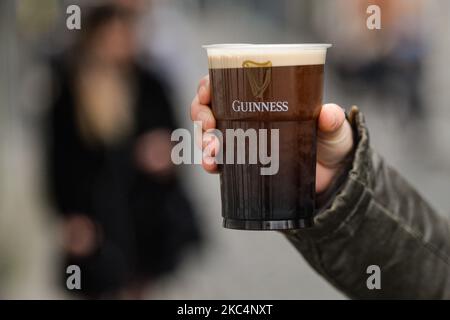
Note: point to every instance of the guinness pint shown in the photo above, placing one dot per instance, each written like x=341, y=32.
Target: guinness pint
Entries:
x=275, y=91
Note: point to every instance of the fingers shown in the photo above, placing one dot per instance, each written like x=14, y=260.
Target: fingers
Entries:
x=200, y=111
x=324, y=177
x=335, y=137
x=204, y=91
x=211, y=145
x=331, y=118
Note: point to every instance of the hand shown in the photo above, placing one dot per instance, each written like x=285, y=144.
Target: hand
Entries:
x=152, y=153
x=80, y=237
x=334, y=143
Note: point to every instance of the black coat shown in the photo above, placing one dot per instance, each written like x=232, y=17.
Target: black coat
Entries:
x=145, y=223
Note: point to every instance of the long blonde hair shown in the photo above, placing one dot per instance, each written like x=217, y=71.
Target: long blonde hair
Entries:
x=104, y=105
x=103, y=91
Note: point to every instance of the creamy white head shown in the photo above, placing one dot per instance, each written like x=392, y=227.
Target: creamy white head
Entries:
x=223, y=56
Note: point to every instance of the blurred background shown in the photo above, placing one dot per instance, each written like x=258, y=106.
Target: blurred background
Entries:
x=85, y=116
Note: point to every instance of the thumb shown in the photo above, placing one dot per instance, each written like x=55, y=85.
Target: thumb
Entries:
x=335, y=137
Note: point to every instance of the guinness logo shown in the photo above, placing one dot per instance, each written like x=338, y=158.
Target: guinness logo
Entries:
x=259, y=76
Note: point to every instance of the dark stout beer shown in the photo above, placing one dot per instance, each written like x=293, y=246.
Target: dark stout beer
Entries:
x=268, y=87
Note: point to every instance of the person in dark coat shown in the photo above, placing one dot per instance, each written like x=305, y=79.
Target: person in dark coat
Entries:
x=126, y=222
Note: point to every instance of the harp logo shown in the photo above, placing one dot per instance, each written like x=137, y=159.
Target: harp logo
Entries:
x=258, y=75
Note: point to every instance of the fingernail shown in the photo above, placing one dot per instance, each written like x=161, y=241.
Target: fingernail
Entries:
x=335, y=120
x=200, y=87
x=203, y=85
x=203, y=116
x=206, y=141
x=202, y=91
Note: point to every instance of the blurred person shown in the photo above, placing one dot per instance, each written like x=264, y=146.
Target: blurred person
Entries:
x=126, y=221
x=389, y=60
x=368, y=214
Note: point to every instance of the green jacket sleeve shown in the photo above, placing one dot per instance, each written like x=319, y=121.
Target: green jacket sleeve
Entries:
x=377, y=219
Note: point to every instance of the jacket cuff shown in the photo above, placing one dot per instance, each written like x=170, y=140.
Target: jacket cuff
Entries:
x=351, y=193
